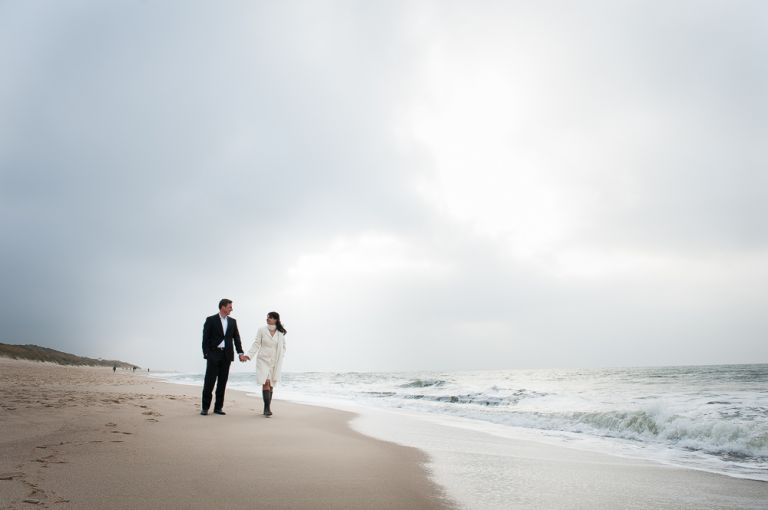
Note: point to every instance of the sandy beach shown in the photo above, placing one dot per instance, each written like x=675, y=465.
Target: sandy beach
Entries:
x=89, y=439
x=86, y=438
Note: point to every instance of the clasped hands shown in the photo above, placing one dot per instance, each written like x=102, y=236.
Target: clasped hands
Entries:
x=244, y=358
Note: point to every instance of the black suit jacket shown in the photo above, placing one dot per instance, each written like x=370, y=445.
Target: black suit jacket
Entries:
x=213, y=335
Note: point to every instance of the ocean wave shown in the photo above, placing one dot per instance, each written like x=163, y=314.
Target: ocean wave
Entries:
x=424, y=383
x=477, y=398
x=748, y=441
x=380, y=393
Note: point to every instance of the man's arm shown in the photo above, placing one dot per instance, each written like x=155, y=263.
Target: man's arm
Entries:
x=236, y=336
x=206, y=333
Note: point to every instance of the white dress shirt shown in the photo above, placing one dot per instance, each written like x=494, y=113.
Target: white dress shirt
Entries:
x=223, y=328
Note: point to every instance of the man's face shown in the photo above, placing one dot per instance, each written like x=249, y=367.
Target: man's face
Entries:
x=226, y=310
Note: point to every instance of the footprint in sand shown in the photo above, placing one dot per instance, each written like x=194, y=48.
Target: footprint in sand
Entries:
x=50, y=459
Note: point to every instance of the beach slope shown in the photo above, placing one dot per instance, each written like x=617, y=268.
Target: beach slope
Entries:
x=83, y=437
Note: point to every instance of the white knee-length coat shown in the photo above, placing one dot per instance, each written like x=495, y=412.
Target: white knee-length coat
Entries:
x=271, y=351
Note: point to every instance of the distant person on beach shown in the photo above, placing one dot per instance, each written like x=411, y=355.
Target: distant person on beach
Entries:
x=219, y=333
x=269, y=350
x=114, y=368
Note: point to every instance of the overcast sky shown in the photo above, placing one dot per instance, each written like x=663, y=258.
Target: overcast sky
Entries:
x=412, y=185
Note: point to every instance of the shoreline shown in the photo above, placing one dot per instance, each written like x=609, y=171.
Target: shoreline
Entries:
x=488, y=471
x=563, y=439
x=82, y=437
x=511, y=433
x=496, y=471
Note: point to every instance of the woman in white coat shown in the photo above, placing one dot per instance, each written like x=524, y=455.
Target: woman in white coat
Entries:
x=269, y=350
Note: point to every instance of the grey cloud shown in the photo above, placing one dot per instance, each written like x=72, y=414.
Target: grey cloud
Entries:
x=156, y=157
x=141, y=132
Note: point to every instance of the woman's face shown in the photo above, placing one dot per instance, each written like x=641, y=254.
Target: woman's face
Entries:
x=271, y=321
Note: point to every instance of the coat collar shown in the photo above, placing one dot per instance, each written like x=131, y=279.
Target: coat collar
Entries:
x=266, y=331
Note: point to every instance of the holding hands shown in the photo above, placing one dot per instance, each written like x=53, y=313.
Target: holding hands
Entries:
x=244, y=358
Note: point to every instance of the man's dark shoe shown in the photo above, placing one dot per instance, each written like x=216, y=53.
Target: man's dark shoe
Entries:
x=204, y=412
x=219, y=411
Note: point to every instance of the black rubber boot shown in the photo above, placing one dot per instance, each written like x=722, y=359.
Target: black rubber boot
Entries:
x=266, y=395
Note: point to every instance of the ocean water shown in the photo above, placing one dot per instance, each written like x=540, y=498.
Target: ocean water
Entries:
x=712, y=418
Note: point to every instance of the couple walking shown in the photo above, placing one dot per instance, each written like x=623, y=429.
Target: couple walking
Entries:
x=220, y=340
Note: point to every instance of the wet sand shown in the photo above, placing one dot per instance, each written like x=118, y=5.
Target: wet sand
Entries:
x=85, y=438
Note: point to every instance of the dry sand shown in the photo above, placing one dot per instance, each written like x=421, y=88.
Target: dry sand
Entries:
x=86, y=438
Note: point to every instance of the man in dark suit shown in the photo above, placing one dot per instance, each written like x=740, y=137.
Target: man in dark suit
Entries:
x=219, y=331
